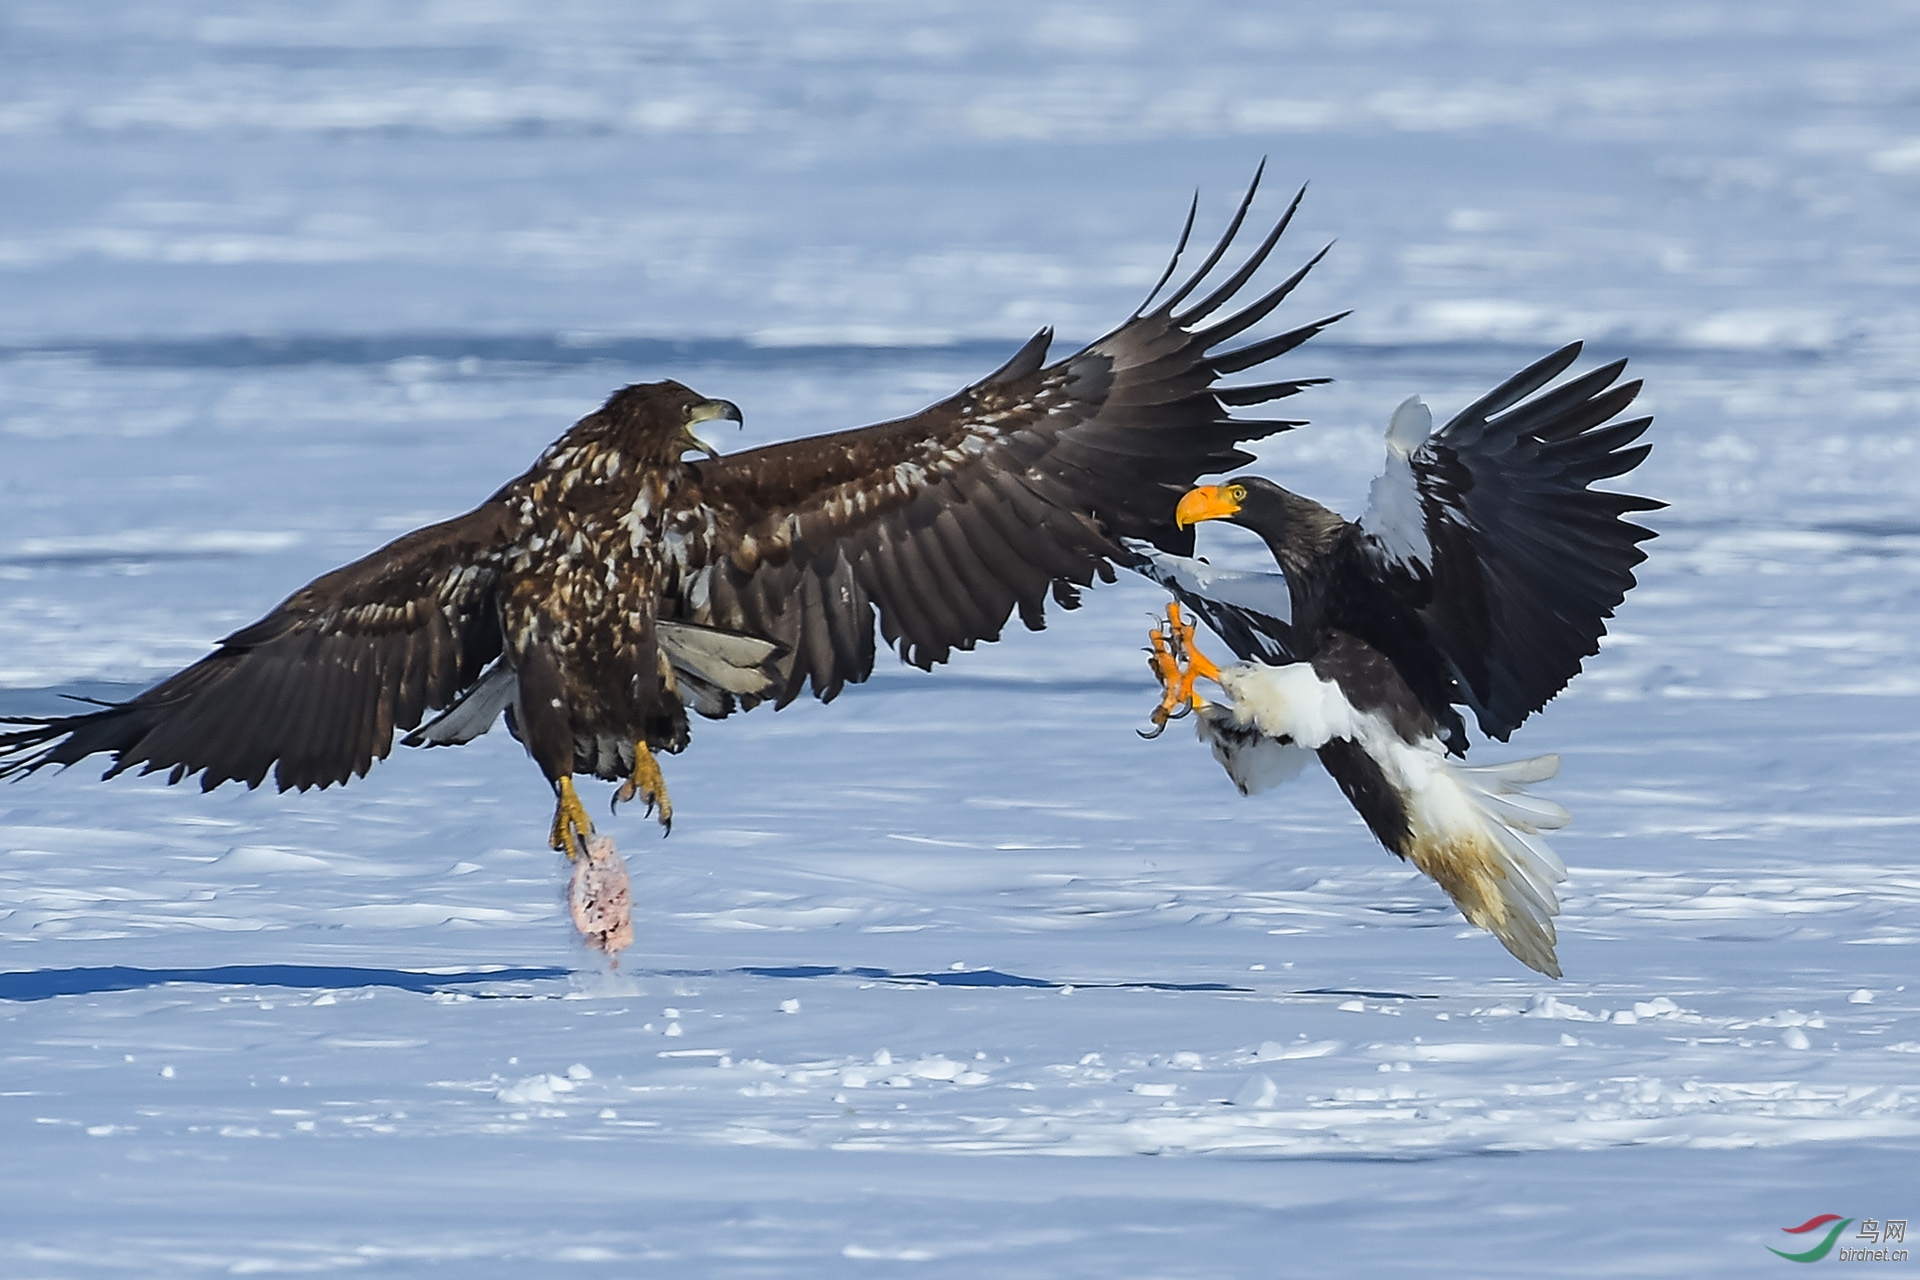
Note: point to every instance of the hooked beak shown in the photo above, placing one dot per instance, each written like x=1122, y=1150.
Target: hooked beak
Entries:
x=709, y=411
x=1208, y=502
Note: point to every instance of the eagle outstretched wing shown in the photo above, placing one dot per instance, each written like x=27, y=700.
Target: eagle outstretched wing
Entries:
x=1019, y=487
x=774, y=564
x=1490, y=530
x=319, y=685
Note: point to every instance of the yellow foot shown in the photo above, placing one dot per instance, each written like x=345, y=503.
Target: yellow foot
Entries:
x=647, y=783
x=1172, y=643
x=1165, y=666
x=571, y=826
x=1199, y=665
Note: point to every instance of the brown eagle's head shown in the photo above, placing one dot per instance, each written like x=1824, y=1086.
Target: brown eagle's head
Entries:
x=656, y=419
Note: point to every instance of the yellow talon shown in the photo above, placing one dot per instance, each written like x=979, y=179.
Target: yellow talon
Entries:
x=1199, y=665
x=648, y=783
x=1161, y=660
x=1172, y=642
x=571, y=826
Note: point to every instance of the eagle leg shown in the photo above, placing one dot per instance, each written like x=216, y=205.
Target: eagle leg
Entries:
x=648, y=783
x=571, y=825
x=1172, y=643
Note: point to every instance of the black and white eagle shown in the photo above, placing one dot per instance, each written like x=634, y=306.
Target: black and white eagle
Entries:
x=1481, y=577
x=617, y=584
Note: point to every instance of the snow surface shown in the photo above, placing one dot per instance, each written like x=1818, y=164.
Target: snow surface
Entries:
x=278, y=282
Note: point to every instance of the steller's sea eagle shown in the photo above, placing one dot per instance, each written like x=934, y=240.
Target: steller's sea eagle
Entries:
x=614, y=585
x=1481, y=576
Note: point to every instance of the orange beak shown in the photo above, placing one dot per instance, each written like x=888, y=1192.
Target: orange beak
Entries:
x=1208, y=502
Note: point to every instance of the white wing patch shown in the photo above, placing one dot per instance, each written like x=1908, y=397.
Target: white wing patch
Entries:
x=1410, y=426
x=1396, y=519
x=1261, y=592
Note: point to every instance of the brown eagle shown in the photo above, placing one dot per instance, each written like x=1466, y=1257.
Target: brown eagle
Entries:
x=616, y=584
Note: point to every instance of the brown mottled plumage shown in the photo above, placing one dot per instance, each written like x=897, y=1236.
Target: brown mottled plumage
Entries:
x=614, y=585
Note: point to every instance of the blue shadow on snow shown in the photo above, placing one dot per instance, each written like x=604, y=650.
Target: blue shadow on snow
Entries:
x=44, y=984
x=972, y=978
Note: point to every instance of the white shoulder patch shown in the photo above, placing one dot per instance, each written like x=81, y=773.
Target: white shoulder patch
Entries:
x=1411, y=425
x=1395, y=519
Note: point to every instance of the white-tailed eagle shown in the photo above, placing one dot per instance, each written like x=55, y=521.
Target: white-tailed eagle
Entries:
x=617, y=584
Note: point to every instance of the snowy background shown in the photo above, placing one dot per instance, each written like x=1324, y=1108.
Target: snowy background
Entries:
x=925, y=977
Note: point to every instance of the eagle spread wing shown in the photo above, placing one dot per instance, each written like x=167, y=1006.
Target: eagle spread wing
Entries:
x=1019, y=487
x=1490, y=530
x=1484, y=573
x=764, y=571
x=315, y=690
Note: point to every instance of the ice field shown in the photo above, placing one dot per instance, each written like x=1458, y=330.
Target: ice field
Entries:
x=955, y=976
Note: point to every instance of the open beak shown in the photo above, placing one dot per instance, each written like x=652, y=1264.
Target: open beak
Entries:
x=709, y=411
x=1208, y=502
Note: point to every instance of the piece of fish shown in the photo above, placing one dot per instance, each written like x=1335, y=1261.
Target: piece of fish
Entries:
x=601, y=898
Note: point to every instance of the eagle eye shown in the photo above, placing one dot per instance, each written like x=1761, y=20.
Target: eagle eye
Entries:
x=1237, y=492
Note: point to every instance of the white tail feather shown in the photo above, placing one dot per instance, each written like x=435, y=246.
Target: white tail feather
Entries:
x=1511, y=775
x=1473, y=829
x=1528, y=813
x=1513, y=897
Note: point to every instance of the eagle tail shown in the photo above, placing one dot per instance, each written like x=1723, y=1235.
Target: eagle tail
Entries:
x=1487, y=853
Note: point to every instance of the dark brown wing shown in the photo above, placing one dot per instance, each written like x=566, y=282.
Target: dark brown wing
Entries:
x=1016, y=489
x=319, y=685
